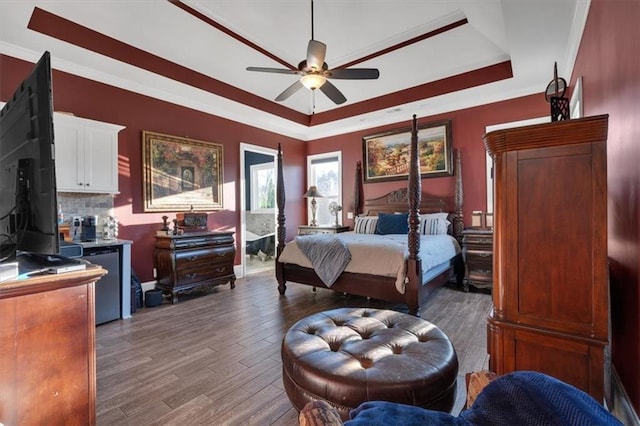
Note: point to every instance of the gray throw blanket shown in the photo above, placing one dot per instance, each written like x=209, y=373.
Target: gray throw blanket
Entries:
x=328, y=255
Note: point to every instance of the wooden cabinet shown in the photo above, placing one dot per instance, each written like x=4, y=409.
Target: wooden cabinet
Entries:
x=48, y=358
x=86, y=155
x=551, y=295
x=193, y=261
x=477, y=251
x=308, y=230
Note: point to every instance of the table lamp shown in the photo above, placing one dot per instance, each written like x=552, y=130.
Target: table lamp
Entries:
x=313, y=194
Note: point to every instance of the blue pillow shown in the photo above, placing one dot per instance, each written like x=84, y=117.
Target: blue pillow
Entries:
x=392, y=223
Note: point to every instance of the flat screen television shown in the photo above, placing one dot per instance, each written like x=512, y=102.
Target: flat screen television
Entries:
x=28, y=198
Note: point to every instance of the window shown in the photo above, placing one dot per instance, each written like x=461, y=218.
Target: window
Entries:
x=325, y=172
x=263, y=188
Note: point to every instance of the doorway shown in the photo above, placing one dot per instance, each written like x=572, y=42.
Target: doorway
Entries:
x=258, y=175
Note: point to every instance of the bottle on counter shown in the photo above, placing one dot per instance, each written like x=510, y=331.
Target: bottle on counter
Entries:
x=60, y=215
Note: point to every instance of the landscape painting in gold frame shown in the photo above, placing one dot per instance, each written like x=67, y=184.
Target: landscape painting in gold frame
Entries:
x=180, y=174
x=386, y=155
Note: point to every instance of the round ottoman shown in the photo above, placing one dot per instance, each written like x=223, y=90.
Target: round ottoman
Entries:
x=351, y=355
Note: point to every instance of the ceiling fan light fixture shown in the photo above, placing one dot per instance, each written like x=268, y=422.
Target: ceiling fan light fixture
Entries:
x=312, y=81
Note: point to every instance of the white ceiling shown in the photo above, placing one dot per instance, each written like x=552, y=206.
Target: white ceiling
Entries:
x=531, y=34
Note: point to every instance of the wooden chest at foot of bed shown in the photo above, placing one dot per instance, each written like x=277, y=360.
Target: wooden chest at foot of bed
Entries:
x=193, y=261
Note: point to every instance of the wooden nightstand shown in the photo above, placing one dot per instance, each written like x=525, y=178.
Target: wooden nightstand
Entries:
x=477, y=251
x=308, y=230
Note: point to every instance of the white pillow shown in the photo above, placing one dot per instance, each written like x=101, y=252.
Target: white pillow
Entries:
x=434, y=224
x=365, y=224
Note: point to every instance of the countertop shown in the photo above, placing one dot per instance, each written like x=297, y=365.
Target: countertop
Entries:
x=102, y=243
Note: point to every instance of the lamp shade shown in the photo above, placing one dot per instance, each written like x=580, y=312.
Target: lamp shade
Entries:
x=312, y=192
x=312, y=81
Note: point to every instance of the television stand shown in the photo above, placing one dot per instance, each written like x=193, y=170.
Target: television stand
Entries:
x=35, y=263
x=48, y=343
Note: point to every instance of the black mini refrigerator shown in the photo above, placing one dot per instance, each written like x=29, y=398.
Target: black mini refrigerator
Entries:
x=107, y=287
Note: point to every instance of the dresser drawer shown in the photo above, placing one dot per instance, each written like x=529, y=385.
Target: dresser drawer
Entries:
x=205, y=257
x=315, y=231
x=478, y=256
x=194, y=241
x=202, y=273
x=480, y=274
x=310, y=230
x=478, y=240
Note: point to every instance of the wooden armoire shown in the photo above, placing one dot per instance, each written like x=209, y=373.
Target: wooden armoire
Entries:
x=550, y=276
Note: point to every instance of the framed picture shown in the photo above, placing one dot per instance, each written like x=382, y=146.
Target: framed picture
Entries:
x=180, y=174
x=386, y=155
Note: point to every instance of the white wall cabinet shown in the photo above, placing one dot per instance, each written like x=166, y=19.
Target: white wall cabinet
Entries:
x=86, y=155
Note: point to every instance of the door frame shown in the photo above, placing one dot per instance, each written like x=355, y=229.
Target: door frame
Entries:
x=244, y=148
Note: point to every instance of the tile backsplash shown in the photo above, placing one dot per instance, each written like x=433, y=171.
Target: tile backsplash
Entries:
x=78, y=204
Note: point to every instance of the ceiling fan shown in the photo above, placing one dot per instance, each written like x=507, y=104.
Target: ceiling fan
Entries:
x=314, y=72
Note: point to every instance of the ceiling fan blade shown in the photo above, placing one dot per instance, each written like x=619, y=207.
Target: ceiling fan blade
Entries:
x=333, y=93
x=273, y=70
x=353, y=73
x=315, y=54
x=290, y=91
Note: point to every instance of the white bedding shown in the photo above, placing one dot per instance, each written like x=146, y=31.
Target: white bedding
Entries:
x=383, y=255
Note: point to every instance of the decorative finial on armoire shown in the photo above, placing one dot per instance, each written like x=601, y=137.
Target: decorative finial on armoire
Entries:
x=554, y=94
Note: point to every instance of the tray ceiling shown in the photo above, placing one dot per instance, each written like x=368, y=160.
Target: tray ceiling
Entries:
x=433, y=56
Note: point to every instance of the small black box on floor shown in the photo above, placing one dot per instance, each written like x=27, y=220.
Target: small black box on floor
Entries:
x=152, y=298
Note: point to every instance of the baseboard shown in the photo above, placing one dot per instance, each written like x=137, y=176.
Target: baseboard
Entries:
x=237, y=270
x=622, y=407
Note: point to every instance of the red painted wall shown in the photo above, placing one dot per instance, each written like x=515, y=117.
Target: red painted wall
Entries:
x=609, y=63
x=468, y=127
x=97, y=101
x=90, y=99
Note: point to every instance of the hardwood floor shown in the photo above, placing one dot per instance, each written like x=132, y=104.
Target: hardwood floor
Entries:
x=214, y=359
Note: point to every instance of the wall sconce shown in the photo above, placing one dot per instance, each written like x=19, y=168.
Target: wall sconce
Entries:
x=313, y=194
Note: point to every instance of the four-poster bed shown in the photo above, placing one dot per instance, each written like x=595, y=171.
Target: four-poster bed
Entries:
x=418, y=282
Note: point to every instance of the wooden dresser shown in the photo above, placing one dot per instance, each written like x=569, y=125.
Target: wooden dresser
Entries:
x=193, y=261
x=477, y=251
x=48, y=349
x=551, y=294
x=308, y=230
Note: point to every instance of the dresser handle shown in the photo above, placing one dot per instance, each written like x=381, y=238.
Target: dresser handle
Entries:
x=221, y=269
x=486, y=241
x=484, y=271
x=192, y=258
x=484, y=254
x=222, y=254
x=192, y=275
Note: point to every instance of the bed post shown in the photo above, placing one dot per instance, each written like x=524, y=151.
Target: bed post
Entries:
x=459, y=199
x=358, y=193
x=458, y=226
x=282, y=230
x=414, y=264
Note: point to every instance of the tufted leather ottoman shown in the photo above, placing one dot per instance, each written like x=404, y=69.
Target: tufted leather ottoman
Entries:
x=351, y=355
